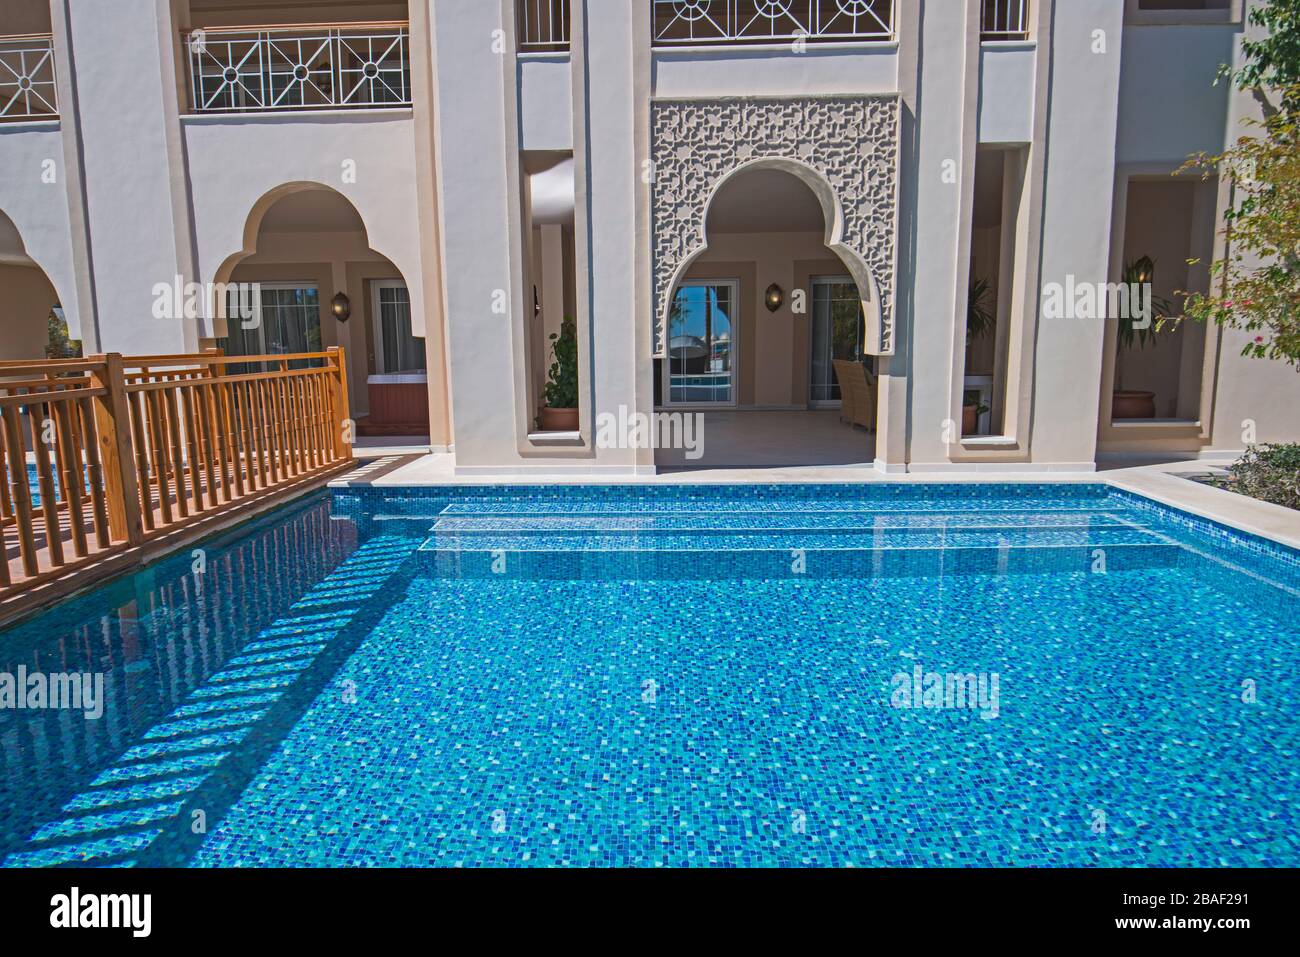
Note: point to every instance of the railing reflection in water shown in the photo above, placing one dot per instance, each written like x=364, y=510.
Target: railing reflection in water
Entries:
x=154, y=636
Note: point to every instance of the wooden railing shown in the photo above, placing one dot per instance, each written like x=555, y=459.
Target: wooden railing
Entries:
x=105, y=454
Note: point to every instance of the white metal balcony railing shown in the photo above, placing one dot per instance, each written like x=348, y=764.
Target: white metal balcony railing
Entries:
x=542, y=25
x=770, y=21
x=27, y=88
x=299, y=68
x=1005, y=20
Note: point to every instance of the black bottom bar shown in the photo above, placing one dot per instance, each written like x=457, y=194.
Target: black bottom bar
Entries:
x=330, y=908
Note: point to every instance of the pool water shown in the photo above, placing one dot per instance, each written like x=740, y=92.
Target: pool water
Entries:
x=34, y=483
x=954, y=675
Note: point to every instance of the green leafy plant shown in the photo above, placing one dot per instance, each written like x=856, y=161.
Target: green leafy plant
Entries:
x=1274, y=60
x=1257, y=279
x=1134, y=328
x=1256, y=283
x=971, y=397
x=562, y=377
x=1270, y=473
x=58, y=345
x=980, y=319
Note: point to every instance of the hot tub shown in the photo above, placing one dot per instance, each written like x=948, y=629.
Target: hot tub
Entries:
x=399, y=404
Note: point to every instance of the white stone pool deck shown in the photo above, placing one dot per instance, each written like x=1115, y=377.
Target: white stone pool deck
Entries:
x=1165, y=483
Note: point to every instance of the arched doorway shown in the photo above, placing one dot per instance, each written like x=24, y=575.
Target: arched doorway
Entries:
x=318, y=283
x=763, y=322
x=33, y=326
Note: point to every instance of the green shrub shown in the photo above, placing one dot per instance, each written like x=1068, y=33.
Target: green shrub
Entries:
x=1270, y=473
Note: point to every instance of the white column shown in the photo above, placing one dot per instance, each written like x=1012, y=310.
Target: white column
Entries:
x=1076, y=226
x=133, y=167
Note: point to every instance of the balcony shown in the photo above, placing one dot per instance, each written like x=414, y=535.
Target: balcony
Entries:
x=542, y=26
x=1005, y=20
x=27, y=88
x=305, y=67
x=747, y=22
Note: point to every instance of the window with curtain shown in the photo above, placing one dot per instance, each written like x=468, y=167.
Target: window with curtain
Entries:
x=400, y=351
x=287, y=320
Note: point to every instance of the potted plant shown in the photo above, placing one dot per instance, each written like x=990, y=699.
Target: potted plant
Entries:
x=980, y=321
x=560, y=413
x=971, y=410
x=1137, y=403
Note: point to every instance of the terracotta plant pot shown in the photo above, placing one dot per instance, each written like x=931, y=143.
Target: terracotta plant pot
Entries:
x=559, y=420
x=1131, y=404
x=970, y=418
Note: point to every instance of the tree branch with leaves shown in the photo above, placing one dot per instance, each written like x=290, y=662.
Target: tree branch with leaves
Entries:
x=1256, y=282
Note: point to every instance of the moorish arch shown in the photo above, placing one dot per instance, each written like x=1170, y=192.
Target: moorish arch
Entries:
x=30, y=294
x=265, y=203
x=844, y=148
x=383, y=237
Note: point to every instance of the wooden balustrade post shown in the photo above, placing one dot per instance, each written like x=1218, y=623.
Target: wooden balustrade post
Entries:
x=227, y=455
x=339, y=403
x=116, y=456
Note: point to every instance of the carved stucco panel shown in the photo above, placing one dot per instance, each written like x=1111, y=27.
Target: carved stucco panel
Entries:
x=851, y=141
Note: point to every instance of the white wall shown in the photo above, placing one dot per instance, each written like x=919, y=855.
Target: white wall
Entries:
x=235, y=161
x=931, y=266
x=1076, y=224
x=477, y=223
x=545, y=102
x=775, y=71
x=137, y=230
x=1007, y=81
x=29, y=153
x=614, y=167
x=1169, y=104
x=1256, y=398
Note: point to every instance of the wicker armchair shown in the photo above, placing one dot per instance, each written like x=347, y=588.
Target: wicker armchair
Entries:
x=858, y=394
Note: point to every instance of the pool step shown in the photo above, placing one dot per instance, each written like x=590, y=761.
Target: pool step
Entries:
x=472, y=541
x=802, y=521
x=724, y=506
x=779, y=539
x=628, y=564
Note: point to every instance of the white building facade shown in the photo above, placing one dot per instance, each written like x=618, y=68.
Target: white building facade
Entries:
x=726, y=196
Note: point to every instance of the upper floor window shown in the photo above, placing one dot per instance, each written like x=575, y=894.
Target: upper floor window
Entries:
x=1004, y=20
x=27, y=89
x=234, y=70
x=542, y=26
x=770, y=21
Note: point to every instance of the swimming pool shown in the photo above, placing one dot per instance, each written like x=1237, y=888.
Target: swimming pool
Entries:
x=940, y=675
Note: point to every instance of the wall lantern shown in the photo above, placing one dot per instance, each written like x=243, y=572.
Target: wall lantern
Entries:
x=342, y=307
x=774, y=297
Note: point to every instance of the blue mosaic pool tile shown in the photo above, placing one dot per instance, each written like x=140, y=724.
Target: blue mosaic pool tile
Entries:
x=703, y=704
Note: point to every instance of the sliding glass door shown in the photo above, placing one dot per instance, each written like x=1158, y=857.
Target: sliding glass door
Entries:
x=702, y=343
x=836, y=334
